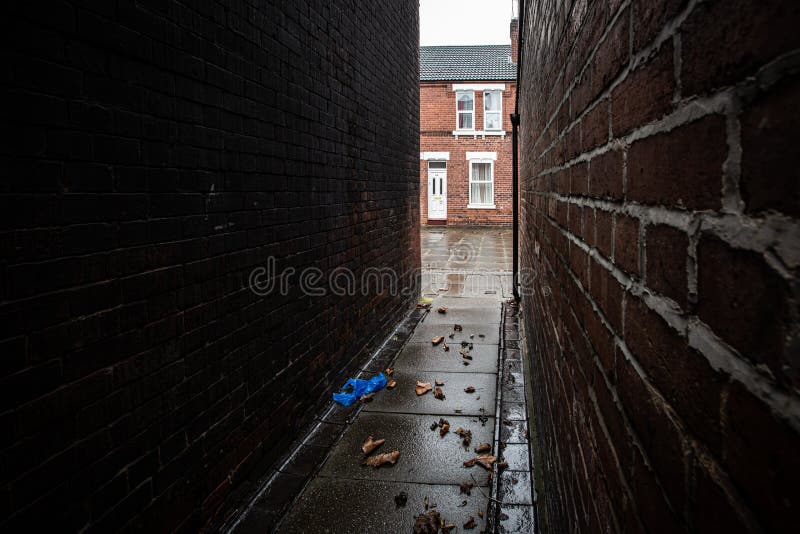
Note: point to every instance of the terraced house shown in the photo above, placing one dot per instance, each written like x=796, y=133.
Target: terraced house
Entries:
x=467, y=94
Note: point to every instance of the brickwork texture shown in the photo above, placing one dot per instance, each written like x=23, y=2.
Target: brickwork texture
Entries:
x=660, y=200
x=155, y=152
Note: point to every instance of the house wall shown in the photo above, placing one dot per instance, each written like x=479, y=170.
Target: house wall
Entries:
x=437, y=122
x=156, y=152
x=659, y=238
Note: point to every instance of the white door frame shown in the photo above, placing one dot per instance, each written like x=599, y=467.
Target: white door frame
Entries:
x=437, y=190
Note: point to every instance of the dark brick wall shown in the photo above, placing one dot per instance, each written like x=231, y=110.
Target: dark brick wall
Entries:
x=154, y=153
x=659, y=214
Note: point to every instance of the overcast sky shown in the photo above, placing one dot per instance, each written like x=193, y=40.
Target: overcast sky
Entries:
x=452, y=22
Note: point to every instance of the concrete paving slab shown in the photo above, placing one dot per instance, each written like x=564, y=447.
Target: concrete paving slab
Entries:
x=515, y=488
x=514, y=432
x=463, y=315
x=513, y=411
x=425, y=456
x=403, y=398
x=426, y=332
x=516, y=519
x=335, y=506
x=424, y=357
x=517, y=457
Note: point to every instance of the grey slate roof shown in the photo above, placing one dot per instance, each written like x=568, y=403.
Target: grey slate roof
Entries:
x=477, y=62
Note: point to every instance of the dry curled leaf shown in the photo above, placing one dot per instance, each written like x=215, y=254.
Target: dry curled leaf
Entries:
x=484, y=460
x=438, y=382
x=465, y=362
x=423, y=387
x=370, y=444
x=466, y=487
x=425, y=502
x=442, y=309
x=438, y=393
x=389, y=371
x=437, y=340
x=427, y=523
x=466, y=356
x=483, y=447
x=383, y=459
x=367, y=398
x=465, y=435
x=444, y=427
x=401, y=498
x=470, y=524
x=446, y=347
x=457, y=328
x=469, y=389
x=448, y=528
x=502, y=465
x=391, y=384
x=480, y=514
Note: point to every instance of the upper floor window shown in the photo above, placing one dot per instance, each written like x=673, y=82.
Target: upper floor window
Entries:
x=492, y=110
x=465, y=110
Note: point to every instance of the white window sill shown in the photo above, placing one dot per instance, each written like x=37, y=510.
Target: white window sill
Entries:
x=481, y=206
x=482, y=133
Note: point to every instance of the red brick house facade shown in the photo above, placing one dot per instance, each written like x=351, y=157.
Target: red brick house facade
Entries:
x=466, y=96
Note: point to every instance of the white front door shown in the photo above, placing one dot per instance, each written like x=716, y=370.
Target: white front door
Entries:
x=437, y=190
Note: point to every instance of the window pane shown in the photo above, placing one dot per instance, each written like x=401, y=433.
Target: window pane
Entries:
x=465, y=102
x=437, y=164
x=491, y=101
x=493, y=121
x=465, y=121
x=480, y=171
x=481, y=193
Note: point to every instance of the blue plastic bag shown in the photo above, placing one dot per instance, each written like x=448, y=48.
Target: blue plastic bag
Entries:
x=360, y=387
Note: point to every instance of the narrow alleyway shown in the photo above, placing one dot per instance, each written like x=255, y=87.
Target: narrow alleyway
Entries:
x=465, y=271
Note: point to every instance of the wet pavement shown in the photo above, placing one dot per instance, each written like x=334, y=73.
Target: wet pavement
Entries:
x=344, y=495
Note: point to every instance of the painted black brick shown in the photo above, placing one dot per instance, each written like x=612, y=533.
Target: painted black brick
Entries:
x=155, y=153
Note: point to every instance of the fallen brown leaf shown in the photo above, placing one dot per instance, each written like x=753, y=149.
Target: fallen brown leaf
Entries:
x=444, y=427
x=401, y=498
x=466, y=487
x=483, y=447
x=466, y=356
x=446, y=347
x=469, y=525
x=448, y=528
x=469, y=389
x=438, y=382
x=438, y=393
x=423, y=387
x=502, y=465
x=437, y=340
x=389, y=371
x=383, y=459
x=425, y=502
x=427, y=523
x=480, y=514
x=391, y=384
x=484, y=460
x=370, y=444
x=367, y=398
x=442, y=309
x=457, y=327
x=466, y=436
x=451, y=336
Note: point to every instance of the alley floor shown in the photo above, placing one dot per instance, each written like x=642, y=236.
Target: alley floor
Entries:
x=465, y=271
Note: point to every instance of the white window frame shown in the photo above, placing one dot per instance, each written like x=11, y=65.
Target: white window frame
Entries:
x=459, y=93
x=500, y=111
x=490, y=161
x=479, y=87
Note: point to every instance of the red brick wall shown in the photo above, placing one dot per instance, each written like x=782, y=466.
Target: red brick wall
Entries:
x=659, y=217
x=437, y=122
